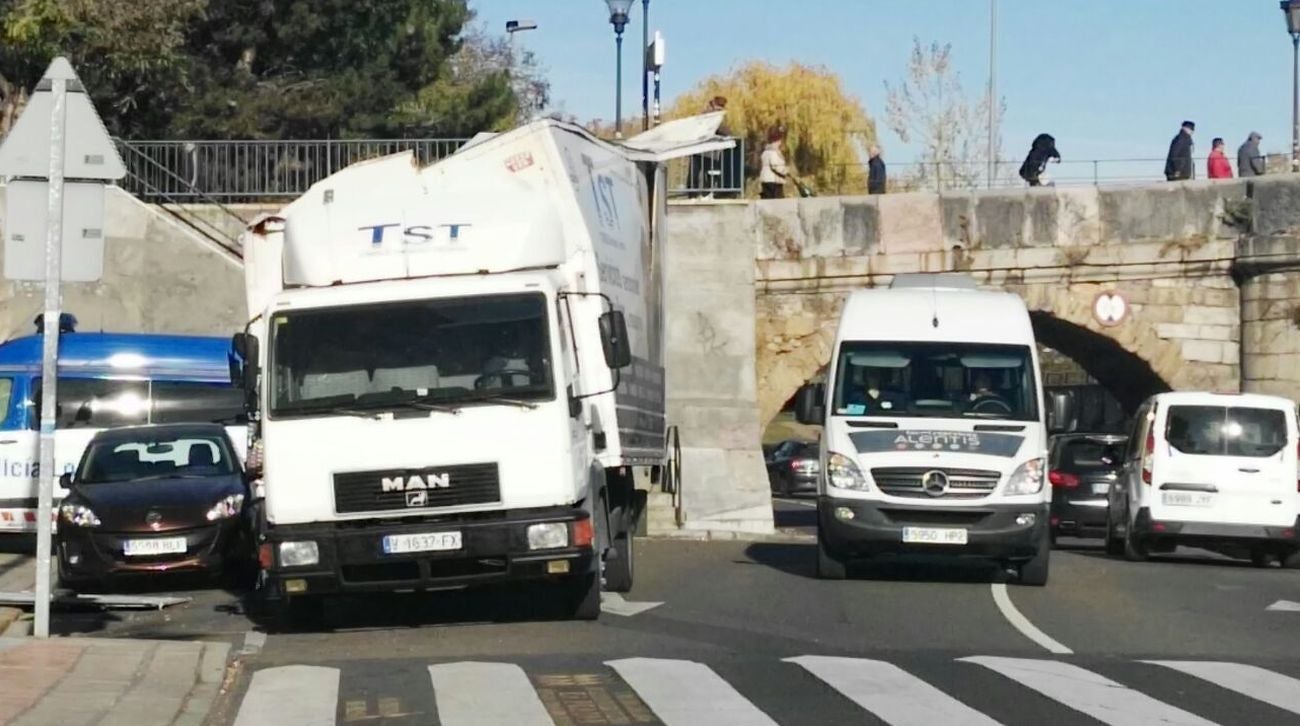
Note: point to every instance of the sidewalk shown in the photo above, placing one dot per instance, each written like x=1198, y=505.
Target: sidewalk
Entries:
x=82, y=681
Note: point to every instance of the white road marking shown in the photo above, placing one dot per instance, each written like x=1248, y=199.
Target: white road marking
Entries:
x=297, y=694
x=1258, y=683
x=1089, y=693
x=891, y=693
x=486, y=694
x=1285, y=606
x=1021, y=623
x=685, y=693
x=614, y=604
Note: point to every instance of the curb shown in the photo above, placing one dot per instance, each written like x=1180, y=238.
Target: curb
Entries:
x=7, y=616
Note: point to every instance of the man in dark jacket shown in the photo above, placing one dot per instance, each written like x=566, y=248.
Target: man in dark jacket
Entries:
x=875, y=172
x=1043, y=149
x=1178, y=165
x=1249, y=161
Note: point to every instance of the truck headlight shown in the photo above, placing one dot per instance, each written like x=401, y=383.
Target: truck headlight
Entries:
x=226, y=508
x=548, y=535
x=1027, y=478
x=79, y=515
x=843, y=472
x=299, y=554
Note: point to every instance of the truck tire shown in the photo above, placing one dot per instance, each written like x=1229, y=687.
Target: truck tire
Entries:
x=300, y=612
x=619, y=568
x=829, y=568
x=1034, y=572
x=584, y=597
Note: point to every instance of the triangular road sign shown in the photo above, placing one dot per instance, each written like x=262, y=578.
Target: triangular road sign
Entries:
x=89, y=153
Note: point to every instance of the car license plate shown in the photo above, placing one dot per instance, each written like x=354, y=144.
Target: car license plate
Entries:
x=1102, y=488
x=1188, y=499
x=159, y=546
x=934, y=535
x=396, y=544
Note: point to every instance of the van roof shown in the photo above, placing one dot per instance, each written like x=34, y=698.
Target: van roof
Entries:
x=1209, y=398
x=909, y=314
x=190, y=357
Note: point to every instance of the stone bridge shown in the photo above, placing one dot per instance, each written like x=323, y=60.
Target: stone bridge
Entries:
x=1209, y=271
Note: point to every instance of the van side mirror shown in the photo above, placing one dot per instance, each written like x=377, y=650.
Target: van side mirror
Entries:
x=809, y=404
x=1060, y=411
x=613, y=339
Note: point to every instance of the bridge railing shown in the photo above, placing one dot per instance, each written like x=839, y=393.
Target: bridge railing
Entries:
x=253, y=171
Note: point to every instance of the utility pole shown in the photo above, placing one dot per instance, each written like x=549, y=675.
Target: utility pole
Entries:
x=993, y=88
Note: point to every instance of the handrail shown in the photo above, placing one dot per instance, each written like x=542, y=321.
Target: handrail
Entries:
x=214, y=233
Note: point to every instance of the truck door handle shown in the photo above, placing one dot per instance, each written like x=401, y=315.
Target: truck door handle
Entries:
x=1248, y=471
x=8, y=441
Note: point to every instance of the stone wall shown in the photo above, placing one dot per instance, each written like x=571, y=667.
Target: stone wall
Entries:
x=1268, y=267
x=159, y=277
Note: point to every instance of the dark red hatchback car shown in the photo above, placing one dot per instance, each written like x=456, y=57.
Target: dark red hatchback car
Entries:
x=150, y=499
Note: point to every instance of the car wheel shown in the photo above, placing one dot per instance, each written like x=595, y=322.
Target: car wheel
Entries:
x=829, y=568
x=1260, y=557
x=1114, y=545
x=1291, y=560
x=1034, y=572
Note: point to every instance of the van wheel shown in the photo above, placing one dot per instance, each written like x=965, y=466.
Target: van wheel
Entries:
x=1034, y=572
x=1135, y=550
x=829, y=568
x=1114, y=545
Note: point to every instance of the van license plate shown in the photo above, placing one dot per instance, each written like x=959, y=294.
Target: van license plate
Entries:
x=934, y=535
x=1188, y=499
x=397, y=544
x=148, y=547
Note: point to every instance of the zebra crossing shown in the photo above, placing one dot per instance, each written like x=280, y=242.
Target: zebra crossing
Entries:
x=678, y=692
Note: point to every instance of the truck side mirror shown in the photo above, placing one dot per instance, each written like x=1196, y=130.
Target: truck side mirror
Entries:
x=809, y=404
x=613, y=339
x=247, y=347
x=236, y=370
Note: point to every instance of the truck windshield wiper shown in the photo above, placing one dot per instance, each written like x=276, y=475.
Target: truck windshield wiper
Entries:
x=498, y=398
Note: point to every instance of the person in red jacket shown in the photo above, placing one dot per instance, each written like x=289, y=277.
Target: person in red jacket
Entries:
x=1219, y=168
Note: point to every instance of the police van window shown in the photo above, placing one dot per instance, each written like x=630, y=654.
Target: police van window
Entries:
x=189, y=402
x=96, y=403
x=6, y=396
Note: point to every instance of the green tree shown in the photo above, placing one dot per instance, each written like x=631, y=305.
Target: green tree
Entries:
x=827, y=130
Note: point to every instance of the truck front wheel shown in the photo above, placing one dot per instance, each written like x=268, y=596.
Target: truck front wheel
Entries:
x=584, y=597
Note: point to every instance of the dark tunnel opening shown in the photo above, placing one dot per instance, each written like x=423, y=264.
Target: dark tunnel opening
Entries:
x=1124, y=375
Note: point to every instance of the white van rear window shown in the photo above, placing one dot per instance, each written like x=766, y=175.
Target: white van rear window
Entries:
x=1226, y=431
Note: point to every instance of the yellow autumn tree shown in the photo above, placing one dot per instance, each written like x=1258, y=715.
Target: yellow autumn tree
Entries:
x=827, y=130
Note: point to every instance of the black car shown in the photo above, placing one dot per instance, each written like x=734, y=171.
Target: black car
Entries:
x=793, y=466
x=1081, y=469
x=154, y=499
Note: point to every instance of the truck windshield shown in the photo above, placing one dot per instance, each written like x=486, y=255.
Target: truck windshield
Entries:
x=947, y=380
x=419, y=354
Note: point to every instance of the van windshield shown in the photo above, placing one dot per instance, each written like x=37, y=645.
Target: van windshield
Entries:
x=1226, y=431
x=938, y=380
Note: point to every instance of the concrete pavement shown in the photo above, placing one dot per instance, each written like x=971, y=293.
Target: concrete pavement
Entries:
x=109, y=682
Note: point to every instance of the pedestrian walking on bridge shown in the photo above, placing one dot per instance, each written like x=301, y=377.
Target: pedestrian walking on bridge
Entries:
x=875, y=171
x=1217, y=165
x=1249, y=161
x=1040, y=152
x=1178, y=165
x=772, y=170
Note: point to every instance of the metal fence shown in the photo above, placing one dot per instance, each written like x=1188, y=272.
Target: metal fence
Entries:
x=253, y=171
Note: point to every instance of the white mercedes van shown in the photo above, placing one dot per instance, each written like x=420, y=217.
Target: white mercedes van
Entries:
x=1209, y=470
x=933, y=436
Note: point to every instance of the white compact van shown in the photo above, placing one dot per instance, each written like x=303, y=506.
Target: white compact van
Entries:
x=934, y=439
x=1210, y=470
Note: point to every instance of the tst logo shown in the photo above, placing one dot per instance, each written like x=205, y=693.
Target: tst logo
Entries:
x=414, y=235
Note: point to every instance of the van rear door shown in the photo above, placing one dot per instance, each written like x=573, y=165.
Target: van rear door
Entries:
x=1228, y=464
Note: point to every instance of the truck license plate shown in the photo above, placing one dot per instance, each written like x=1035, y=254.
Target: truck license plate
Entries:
x=934, y=535
x=147, y=547
x=1188, y=499
x=396, y=544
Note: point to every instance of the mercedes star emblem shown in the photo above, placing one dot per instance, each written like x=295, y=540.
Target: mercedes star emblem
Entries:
x=935, y=483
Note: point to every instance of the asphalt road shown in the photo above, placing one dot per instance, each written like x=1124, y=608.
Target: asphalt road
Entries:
x=910, y=642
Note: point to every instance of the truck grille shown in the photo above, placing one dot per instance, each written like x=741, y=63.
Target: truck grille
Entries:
x=910, y=482
x=416, y=490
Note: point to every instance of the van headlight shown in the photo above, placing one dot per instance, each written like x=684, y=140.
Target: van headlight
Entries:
x=1027, y=478
x=843, y=473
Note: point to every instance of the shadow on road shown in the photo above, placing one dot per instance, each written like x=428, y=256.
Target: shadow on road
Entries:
x=801, y=560
x=1189, y=558
x=794, y=517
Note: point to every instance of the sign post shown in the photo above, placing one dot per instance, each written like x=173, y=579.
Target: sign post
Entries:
x=59, y=136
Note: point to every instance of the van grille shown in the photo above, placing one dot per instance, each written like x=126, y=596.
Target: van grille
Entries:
x=363, y=491
x=909, y=482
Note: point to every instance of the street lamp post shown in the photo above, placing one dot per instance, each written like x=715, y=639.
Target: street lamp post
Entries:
x=1291, y=8
x=618, y=10
x=645, y=65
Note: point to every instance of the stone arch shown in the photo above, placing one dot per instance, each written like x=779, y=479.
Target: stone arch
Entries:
x=795, y=334
x=1126, y=375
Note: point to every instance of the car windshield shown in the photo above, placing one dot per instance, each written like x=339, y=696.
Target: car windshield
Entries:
x=156, y=457
x=420, y=354
x=949, y=380
x=1226, y=431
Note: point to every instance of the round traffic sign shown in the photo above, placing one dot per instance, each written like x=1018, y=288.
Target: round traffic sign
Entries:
x=1110, y=308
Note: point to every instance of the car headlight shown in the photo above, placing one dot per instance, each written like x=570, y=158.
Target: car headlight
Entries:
x=226, y=508
x=548, y=535
x=1027, y=478
x=842, y=472
x=79, y=515
x=299, y=554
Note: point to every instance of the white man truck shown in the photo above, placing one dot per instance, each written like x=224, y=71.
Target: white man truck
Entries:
x=454, y=370
x=934, y=441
